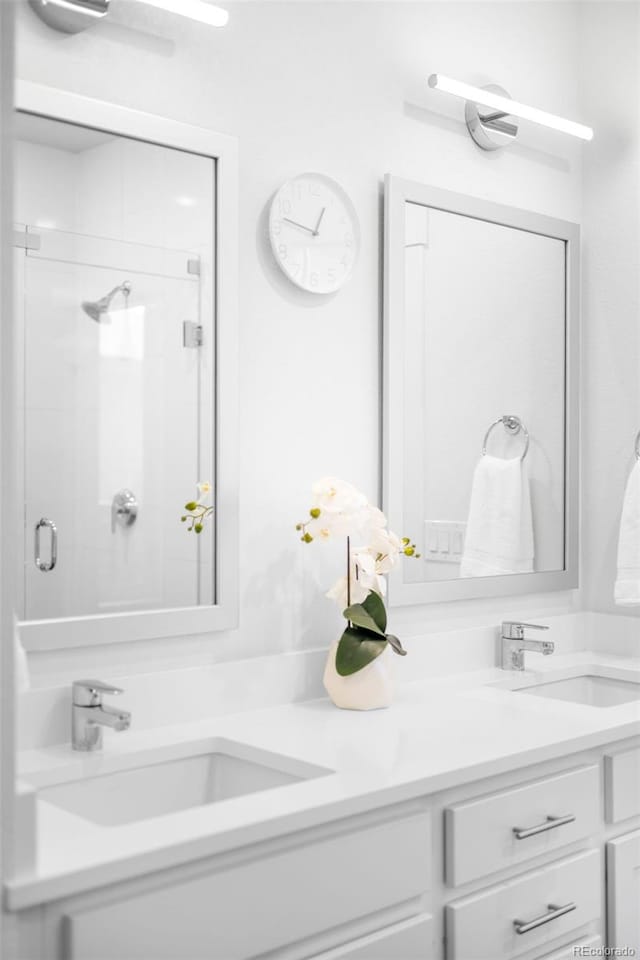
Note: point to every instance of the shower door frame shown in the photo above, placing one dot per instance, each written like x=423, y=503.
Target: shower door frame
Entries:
x=223, y=150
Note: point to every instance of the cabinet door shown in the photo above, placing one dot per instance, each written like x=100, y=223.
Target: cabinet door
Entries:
x=262, y=905
x=623, y=891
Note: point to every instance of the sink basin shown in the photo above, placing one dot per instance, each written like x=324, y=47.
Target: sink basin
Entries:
x=209, y=772
x=591, y=690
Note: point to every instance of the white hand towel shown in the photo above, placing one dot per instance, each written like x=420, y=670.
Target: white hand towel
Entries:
x=627, y=590
x=499, y=537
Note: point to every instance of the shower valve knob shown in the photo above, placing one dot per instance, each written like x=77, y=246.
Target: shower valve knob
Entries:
x=124, y=509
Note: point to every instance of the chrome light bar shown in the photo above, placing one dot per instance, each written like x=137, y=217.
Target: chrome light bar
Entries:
x=487, y=109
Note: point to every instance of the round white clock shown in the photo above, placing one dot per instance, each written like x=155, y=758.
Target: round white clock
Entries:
x=314, y=232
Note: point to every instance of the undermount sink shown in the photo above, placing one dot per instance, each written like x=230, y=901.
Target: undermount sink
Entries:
x=591, y=690
x=210, y=772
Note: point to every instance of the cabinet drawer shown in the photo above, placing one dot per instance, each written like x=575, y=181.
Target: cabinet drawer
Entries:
x=411, y=940
x=483, y=926
x=480, y=835
x=622, y=785
x=257, y=906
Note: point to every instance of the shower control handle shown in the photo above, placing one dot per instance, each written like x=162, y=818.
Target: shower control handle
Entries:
x=124, y=509
x=41, y=564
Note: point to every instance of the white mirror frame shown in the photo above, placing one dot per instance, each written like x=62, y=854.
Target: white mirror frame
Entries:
x=184, y=621
x=398, y=192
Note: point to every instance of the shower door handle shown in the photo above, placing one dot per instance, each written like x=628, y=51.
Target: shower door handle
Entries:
x=39, y=562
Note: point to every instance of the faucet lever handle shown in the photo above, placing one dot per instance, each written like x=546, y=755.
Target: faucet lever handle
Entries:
x=514, y=629
x=89, y=693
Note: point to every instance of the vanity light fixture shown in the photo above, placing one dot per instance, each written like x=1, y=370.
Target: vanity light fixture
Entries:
x=199, y=10
x=72, y=16
x=489, y=110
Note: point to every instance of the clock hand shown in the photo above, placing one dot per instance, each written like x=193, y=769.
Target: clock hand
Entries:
x=301, y=225
x=317, y=229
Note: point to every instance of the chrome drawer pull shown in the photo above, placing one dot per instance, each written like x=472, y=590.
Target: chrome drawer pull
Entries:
x=37, y=559
x=521, y=833
x=523, y=926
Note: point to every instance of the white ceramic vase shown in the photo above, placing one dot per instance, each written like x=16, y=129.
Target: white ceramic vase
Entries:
x=371, y=688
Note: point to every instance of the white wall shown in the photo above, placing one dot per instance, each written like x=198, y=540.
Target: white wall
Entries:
x=339, y=88
x=611, y=257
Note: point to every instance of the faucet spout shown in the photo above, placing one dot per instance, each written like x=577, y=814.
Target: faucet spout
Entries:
x=109, y=717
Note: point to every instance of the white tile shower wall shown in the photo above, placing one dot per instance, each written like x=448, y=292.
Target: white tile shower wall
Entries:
x=338, y=88
x=611, y=49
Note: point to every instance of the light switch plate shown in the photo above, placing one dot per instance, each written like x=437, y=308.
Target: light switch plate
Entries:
x=444, y=540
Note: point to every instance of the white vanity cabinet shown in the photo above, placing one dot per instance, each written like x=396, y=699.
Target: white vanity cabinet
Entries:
x=508, y=868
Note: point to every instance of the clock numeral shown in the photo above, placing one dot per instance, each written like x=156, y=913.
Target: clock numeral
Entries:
x=314, y=191
x=332, y=275
x=282, y=250
x=285, y=207
x=348, y=240
x=344, y=262
x=314, y=279
x=276, y=228
x=294, y=267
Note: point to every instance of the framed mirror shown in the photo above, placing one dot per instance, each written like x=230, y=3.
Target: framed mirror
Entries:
x=125, y=260
x=481, y=395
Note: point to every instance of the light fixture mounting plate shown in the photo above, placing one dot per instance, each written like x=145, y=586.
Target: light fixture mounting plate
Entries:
x=70, y=16
x=490, y=129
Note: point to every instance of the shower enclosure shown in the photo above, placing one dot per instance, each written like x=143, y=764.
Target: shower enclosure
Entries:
x=118, y=412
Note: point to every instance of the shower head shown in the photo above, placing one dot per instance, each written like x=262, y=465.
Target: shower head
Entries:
x=97, y=309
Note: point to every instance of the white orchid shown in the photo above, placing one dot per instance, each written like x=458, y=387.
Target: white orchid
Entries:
x=200, y=509
x=341, y=511
x=205, y=489
x=336, y=496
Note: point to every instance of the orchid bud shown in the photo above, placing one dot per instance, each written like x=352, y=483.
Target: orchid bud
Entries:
x=315, y=512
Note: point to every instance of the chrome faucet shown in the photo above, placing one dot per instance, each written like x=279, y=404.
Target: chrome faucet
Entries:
x=514, y=644
x=89, y=716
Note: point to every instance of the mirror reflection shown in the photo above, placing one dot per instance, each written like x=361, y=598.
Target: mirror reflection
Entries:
x=484, y=396
x=114, y=266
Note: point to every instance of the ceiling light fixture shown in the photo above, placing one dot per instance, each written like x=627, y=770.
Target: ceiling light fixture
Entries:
x=489, y=108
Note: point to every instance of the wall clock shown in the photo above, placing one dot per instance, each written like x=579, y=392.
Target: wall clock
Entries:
x=314, y=232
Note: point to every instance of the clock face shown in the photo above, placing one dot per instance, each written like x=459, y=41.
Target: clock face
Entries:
x=314, y=232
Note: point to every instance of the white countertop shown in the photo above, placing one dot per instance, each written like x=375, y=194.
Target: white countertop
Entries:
x=437, y=735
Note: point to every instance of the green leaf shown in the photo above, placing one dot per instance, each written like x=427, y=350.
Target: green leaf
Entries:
x=370, y=614
x=356, y=649
x=397, y=646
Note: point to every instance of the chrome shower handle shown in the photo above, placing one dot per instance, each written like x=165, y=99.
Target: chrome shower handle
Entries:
x=124, y=509
x=39, y=562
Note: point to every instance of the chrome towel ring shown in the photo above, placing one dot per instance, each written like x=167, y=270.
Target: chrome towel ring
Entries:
x=512, y=425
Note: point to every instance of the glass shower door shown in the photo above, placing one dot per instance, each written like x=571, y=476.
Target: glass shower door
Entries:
x=114, y=423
